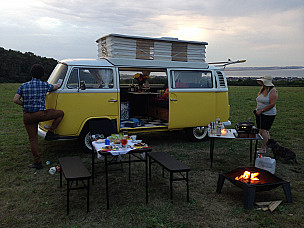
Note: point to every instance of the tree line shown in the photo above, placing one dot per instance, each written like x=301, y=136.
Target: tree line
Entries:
x=15, y=66
x=277, y=83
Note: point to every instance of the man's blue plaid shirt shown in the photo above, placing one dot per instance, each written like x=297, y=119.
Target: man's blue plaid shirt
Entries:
x=33, y=95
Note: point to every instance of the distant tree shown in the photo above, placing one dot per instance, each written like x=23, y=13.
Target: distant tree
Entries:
x=278, y=83
x=15, y=66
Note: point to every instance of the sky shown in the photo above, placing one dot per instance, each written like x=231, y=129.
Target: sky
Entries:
x=264, y=32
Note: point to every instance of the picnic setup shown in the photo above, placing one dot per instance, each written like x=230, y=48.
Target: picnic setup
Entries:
x=120, y=149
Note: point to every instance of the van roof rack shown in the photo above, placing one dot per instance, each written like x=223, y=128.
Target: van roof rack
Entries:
x=226, y=63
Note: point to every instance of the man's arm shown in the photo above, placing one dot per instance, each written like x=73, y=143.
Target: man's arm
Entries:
x=55, y=87
x=17, y=99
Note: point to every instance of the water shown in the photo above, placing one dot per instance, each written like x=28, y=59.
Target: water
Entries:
x=282, y=73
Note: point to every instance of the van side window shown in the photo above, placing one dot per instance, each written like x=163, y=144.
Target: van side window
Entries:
x=191, y=79
x=94, y=78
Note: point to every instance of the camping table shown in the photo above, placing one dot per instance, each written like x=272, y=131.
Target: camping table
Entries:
x=231, y=134
x=140, y=155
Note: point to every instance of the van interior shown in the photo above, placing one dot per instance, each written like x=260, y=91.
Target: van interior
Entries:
x=143, y=98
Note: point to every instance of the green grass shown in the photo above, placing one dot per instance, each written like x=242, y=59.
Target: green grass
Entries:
x=30, y=198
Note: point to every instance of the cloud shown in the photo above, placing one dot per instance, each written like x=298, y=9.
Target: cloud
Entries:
x=64, y=29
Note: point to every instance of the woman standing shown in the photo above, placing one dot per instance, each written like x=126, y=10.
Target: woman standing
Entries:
x=265, y=111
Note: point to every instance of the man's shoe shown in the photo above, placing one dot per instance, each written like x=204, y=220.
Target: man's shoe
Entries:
x=51, y=136
x=36, y=166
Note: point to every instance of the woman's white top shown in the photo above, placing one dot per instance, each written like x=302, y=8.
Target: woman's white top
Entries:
x=263, y=101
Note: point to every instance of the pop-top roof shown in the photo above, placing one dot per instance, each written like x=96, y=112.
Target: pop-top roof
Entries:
x=162, y=39
x=147, y=48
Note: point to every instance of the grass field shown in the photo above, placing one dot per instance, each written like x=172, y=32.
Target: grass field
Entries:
x=30, y=198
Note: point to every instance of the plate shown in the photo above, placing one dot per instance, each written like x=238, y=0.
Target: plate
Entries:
x=141, y=147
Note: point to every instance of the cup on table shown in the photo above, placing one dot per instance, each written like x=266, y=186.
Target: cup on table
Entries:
x=107, y=142
x=133, y=137
x=124, y=142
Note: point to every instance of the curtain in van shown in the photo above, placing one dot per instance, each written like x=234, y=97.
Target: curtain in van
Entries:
x=107, y=76
x=176, y=76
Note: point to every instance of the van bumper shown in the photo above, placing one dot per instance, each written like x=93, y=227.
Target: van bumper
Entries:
x=227, y=123
x=42, y=134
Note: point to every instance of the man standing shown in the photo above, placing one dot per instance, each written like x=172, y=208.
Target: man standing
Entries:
x=31, y=96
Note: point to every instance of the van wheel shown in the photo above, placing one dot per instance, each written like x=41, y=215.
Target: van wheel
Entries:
x=197, y=134
x=85, y=140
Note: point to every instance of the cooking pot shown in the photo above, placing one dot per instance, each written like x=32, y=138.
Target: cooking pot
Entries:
x=245, y=127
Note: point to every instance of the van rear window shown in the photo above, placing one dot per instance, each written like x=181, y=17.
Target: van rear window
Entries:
x=191, y=79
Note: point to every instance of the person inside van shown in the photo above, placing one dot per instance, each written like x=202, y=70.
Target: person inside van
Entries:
x=31, y=96
x=165, y=95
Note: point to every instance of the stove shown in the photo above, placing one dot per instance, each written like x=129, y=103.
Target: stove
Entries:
x=251, y=180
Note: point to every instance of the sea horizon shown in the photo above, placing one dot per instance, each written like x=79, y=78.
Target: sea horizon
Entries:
x=280, y=73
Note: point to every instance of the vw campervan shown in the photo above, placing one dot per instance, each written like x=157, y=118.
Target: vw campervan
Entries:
x=109, y=89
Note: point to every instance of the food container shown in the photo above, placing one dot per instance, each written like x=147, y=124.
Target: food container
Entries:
x=266, y=163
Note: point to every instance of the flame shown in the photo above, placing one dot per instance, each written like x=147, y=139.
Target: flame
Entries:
x=249, y=177
x=223, y=132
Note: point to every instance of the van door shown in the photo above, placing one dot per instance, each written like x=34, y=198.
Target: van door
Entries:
x=191, y=98
x=88, y=93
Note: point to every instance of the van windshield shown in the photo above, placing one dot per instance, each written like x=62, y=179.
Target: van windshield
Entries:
x=58, y=74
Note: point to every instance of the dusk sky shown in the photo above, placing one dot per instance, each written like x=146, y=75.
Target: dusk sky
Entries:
x=264, y=32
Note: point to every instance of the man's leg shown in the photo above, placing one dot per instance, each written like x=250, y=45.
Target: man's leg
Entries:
x=31, y=127
x=53, y=114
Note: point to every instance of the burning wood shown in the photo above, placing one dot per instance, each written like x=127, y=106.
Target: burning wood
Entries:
x=248, y=177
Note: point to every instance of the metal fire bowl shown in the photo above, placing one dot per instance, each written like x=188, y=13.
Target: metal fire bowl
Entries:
x=267, y=181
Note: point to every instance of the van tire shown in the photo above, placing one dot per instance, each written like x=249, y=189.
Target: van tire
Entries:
x=85, y=140
x=197, y=134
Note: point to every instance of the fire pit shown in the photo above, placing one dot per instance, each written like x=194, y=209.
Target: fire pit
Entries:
x=252, y=179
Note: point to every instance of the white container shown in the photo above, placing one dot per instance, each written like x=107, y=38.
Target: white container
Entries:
x=266, y=163
x=52, y=170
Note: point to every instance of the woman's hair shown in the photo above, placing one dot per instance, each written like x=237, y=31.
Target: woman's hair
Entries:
x=265, y=91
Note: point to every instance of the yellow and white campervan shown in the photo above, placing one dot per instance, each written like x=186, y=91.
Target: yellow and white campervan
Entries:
x=124, y=88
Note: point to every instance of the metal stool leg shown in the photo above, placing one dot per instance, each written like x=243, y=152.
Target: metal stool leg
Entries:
x=187, y=180
x=68, y=196
x=60, y=177
x=171, y=191
x=88, y=194
x=93, y=165
x=107, y=181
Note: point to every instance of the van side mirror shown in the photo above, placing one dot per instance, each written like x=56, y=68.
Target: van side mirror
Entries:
x=82, y=85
